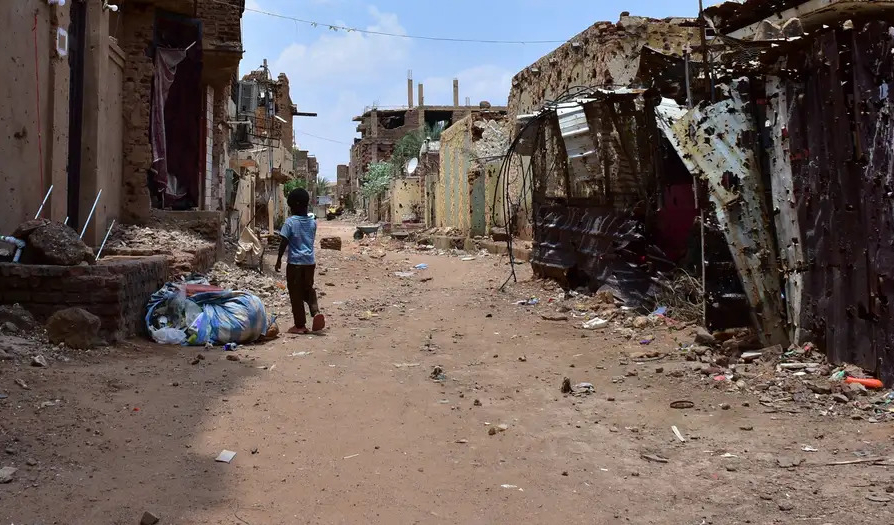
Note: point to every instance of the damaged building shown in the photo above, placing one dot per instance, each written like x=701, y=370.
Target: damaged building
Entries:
x=770, y=168
x=381, y=129
x=117, y=113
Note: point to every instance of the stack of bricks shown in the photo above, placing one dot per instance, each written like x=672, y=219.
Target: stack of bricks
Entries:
x=115, y=290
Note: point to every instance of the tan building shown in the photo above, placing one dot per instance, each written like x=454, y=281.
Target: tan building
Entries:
x=78, y=101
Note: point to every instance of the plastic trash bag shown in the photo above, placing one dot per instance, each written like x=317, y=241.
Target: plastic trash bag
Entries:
x=211, y=317
x=168, y=336
x=227, y=317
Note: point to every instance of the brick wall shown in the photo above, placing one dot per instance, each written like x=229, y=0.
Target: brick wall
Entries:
x=208, y=186
x=221, y=25
x=603, y=55
x=116, y=290
x=137, y=35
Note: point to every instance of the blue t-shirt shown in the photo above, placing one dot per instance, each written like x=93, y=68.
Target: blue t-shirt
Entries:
x=300, y=232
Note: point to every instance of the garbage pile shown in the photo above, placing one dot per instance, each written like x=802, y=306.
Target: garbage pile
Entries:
x=790, y=380
x=192, y=312
x=271, y=290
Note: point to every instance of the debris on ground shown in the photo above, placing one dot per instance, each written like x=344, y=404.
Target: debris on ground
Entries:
x=158, y=239
x=271, y=290
x=39, y=361
x=74, y=327
x=149, y=519
x=226, y=456
x=437, y=374
x=18, y=317
x=7, y=474
x=330, y=243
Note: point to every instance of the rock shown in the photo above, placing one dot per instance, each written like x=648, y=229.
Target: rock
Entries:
x=149, y=519
x=31, y=462
x=641, y=322
x=788, y=462
x=499, y=234
x=502, y=427
x=39, y=361
x=232, y=357
x=711, y=370
x=659, y=370
x=566, y=386
x=56, y=244
x=699, y=350
x=746, y=428
x=4, y=356
x=75, y=327
x=24, y=231
x=492, y=431
x=704, y=338
x=854, y=390
x=786, y=506
x=841, y=398
x=18, y=317
x=330, y=243
x=484, y=105
x=477, y=403
x=7, y=473
x=724, y=406
x=819, y=388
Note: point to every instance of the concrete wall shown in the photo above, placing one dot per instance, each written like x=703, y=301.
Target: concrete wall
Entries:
x=452, y=191
x=406, y=201
x=606, y=54
x=31, y=144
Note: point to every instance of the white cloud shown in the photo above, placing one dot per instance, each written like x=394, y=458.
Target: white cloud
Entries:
x=253, y=4
x=346, y=57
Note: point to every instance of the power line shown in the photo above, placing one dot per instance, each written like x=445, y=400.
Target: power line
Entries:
x=334, y=27
x=322, y=138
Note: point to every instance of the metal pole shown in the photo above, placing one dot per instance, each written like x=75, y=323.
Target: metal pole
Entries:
x=89, y=217
x=44, y=203
x=688, y=83
x=105, y=240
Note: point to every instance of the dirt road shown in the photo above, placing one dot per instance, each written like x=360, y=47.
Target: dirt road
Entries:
x=349, y=427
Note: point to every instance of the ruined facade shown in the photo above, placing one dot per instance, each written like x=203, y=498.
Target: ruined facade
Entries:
x=605, y=55
x=381, y=129
x=467, y=194
x=92, y=71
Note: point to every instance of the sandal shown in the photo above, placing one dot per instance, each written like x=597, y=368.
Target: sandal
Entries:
x=298, y=331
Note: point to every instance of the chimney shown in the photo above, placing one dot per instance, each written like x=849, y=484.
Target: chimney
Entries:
x=410, y=88
x=421, y=95
x=456, y=92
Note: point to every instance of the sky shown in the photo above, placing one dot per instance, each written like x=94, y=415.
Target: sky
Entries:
x=338, y=74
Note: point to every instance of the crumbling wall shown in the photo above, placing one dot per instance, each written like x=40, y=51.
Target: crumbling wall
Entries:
x=606, y=54
x=137, y=36
x=452, y=190
x=221, y=25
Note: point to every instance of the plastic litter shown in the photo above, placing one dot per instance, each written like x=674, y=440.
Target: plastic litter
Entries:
x=594, y=324
x=421, y=266
x=216, y=317
x=867, y=382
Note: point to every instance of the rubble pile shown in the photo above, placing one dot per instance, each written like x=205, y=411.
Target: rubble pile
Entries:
x=270, y=289
x=156, y=239
x=791, y=380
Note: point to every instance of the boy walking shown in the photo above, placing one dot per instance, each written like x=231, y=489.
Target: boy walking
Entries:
x=298, y=234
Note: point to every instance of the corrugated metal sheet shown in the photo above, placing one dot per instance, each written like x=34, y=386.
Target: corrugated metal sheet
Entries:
x=715, y=142
x=591, y=247
x=833, y=128
x=579, y=144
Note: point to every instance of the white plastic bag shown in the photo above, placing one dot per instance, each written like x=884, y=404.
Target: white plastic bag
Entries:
x=169, y=336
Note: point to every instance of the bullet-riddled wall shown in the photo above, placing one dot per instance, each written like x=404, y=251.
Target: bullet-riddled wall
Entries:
x=407, y=203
